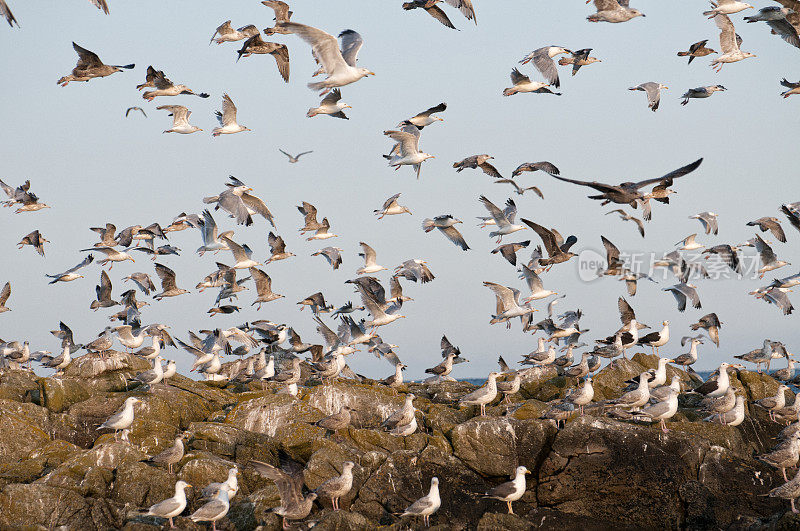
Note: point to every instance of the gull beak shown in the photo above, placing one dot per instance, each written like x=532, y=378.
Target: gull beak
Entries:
x=527, y=471
x=370, y=73
x=671, y=361
x=440, y=119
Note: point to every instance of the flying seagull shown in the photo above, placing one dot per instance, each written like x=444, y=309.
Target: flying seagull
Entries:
x=728, y=43
x=295, y=158
x=257, y=45
x=180, y=119
x=653, y=91
x=431, y=8
x=89, y=67
x=446, y=224
x=163, y=86
x=227, y=119
x=613, y=11
x=701, y=92
x=522, y=83
x=331, y=105
x=131, y=109
x=478, y=161
x=697, y=49
x=70, y=274
x=228, y=34
x=543, y=61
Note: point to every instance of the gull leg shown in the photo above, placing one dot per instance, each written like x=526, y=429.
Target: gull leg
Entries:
x=510, y=510
x=795, y=511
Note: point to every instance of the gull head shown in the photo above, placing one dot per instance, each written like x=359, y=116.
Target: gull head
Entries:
x=364, y=72
x=748, y=54
x=636, y=13
x=662, y=87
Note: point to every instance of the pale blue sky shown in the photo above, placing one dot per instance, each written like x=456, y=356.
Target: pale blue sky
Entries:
x=94, y=166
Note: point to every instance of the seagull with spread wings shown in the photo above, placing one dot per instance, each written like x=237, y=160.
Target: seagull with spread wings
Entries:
x=446, y=224
x=180, y=119
x=89, y=67
x=407, y=139
x=257, y=45
x=295, y=158
x=227, y=119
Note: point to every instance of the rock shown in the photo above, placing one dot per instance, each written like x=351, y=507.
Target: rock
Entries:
x=19, y=386
x=342, y=521
x=269, y=413
x=22, y=429
x=42, y=505
x=504, y=522
x=141, y=485
x=547, y=519
x=610, y=381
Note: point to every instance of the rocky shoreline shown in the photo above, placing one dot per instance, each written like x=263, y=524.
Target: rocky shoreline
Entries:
x=594, y=473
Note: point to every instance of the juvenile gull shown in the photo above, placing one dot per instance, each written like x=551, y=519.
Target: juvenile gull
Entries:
x=169, y=456
x=427, y=505
x=543, y=61
x=788, y=491
x=774, y=403
x=277, y=248
x=180, y=119
x=711, y=324
x=769, y=260
x=653, y=91
x=256, y=45
x=431, y=8
x=89, y=67
x=784, y=456
x=701, y=92
x=509, y=251
x=289, y=480
x=510, y=491
x=728, y=43
x=557, y=252
x=683, y=292
x=478, y=161
x=776, y=19
x=228, y=34
x=340, y=65
x=165, y=87
x=769, y=224
x=518, y=189
x=402, y=416
x=708, y=220
x=169, y=288
x=522, y=83
x=338, y=421
x=6, y=13
x=635, y=398
x=627, y=217
x=227, y=119
x=332, y=255
x=35, y=240
x=171, y=507
x=794, y=88
x=282, y=14
x=579, y=59
x=332, y=105
x=581, y=396
x=545, y=166
x=613, y=11
x=697, y=49
x=338, y=486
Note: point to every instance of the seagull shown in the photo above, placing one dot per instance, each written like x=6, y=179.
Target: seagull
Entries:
x=579, y=59
x=131, y=109
x=332, y=255
x=613, y=11
x=164, y=87
x=337, y=486
x=627, y=217
x=769, y=224
x=112, y=255
x=535, y=285
x=727, y=254
x=340, y=65
x=237, y=201
x=509, y=251
x=794, y=88
x=697, y=49
x=35, y=240
x=228, y=34
x=728, y=43
x=653, y=91
x=726, y=7
x=282, y=14
x=103, y=291
x=331, y=105
x=180, y=119
x=316, y=302
x=507, y=304
x=168, y=286
x=369, y=261
x=171, y=507
x=427, y=117
x=716, y=387
x=123, y=418
x=662, y=411
x=504, y=225
x=89, y=67
x=510, y=491
x=478, y=161
x=289, y=480
x=431, y=8
x=322, y=233
x=776, y=19
x=543, y=61
x=227, y=119
x=518, y=189
x=391, y=207
x=213, y=510
x=257, y=45
x=414, y=270
x=295, y=158
x=410, y=155
x=430, y=503
x=682, y=292
x=277, y=248
x=522, y=83
x=778, y=297
x=545, y=166
x=689, y=243
x=242, y=254
x=701, y=92
x=70, y=274
x=655, y=340
x=263, y=288
x=709, y=221
x=557, y=252
x=6, y=13
x=769, y=260
x=5, y=293
x=446, y=224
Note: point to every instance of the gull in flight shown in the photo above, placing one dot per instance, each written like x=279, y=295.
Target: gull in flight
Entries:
x=340, y=65
x=257, y=45
x=543, y=61
x=478, y=161
x=163, y=86
x=701, y=92
x=726, y=7
x=180, y=119
x=70, y=274
x=446, y=224
x=227, y=119
x=89, y=67
x=410, y=155
x=505, y=224
x=522, y=83
x=728, y=44
x=391, y=208
x=432, y=9
x=295, y=158
x=332, y=105
x=547, y=167
x=613, y=11
x=579, y=59
x=228, y=34
x=427, y=116
x=131, y=109
x=627, y=217
x=653, y=91
x=697, y=49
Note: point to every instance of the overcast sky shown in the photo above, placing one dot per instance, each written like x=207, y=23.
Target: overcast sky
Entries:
x=93, y=166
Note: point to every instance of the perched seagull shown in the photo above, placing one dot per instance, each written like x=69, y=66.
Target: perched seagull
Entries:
x=340, y=65
x=228, y=34
x=295, y=158
x=613, y=11
x=726, y=7
x=653, y=91
x=332, y=255
x=180, y=119
x=431, y=8
x=522, y=83
x=701, y=92
x=89, y=67
x=709, y=221
x=391, y=207
x=427, y=116
x=35, y=240
x=410, y=155
x=579, y=59
x=769, y=224
x=697, y=49
x=446, y=224
x=728, y=43
x=545, y=166
x=164, y=87
x=510, y=491
x=478, y=161
x=331, y=105
x=543, y=61
x=70, y=274
x=430, y=503
x=624, y=216
x=257, y=45
x=227, y=119
x=171, y=507
x=213, y=510
x=123, y=418
x=504, y=225
x=131, y=109
x=776, y=19
x=337, y=486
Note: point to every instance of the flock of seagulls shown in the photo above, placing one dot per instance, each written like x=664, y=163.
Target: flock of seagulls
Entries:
x=267, y=351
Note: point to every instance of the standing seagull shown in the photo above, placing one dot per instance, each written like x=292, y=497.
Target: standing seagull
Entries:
x=613, y=11
x=295, y=158
x=340, y=65
x=171, y=507
x=522, y=83
x=510, y=491
x=89, y=67
x=653, y=91
x=227, y=119
x=728, y=43
x=427, y=505
x=543, y=61
x=123, y=418
x=180, y=119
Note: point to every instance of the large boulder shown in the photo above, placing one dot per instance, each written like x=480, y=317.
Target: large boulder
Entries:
x=20, y=385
